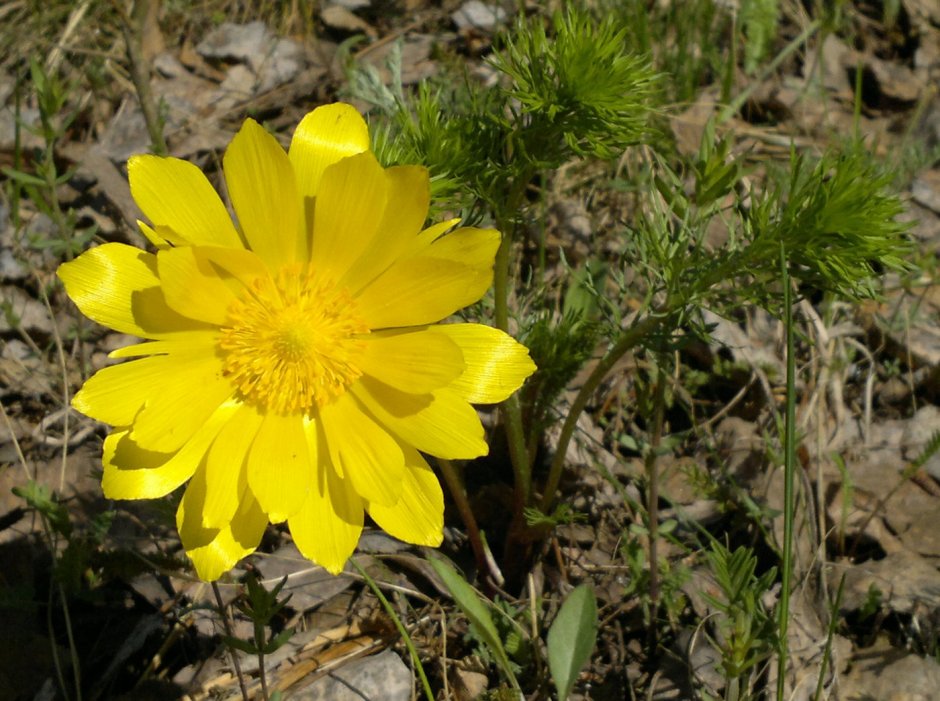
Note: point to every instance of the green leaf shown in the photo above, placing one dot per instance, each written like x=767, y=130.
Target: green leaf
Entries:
x=475, y=610
x=239, y=644
x=571, y=639
x=20, y=176
x=277, y=641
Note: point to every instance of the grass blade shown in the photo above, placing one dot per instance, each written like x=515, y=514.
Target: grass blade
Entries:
x=475, y=610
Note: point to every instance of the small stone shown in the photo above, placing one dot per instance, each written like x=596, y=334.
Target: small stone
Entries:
x=925, y=190
x=28, y=118
x=835, y=55
x=11, y=270
x=239, y=84
x=353, y=5
x=23, y=312
x=126, y=134
x=169, y=66
x=918, y=430
x=478, y=15
x=382, y=677
x=281, y=65
x=239, y=42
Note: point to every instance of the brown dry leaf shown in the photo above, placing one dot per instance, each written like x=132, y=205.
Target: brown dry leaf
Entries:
x=338, y=17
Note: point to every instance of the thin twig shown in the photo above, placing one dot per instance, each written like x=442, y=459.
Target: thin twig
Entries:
x=133, y=26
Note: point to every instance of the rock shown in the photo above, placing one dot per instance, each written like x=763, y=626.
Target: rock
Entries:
x=890, y=674
x=29, y=117
x=474, y=14
x=126, y=134
x=919, y=429
x=23, y=312
x=240, y=84
x=238, y=42
x=309, y=585
x=895, y=81
x=925, y=190
x=835, y=54
x=273, y=61
x=467, y=685
x=382, y=677
x=11, y=270
x=907, y=582
x=282, y=64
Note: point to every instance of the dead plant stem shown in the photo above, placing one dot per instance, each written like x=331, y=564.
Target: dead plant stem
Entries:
x=458, y=493
x=133, y=26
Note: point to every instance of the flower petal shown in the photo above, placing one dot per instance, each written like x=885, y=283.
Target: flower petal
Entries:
x=412, y=361
x=433, y=284
x=349, y=206
x=214, y=551
x=328, y=526
x=496, y=364
x=421, y=291
x=175, y=194
x=261, y=184
x=441, y=424
x=467, y=245
x=181, y=342
x=418, y=517
x=192, y=286
x=362, y=452
x=279, y=471
x=115, y=394
x=192, y=390
x=324, y=137
x=152, y=236
x=409, y=195
x=130, y=472
x=226, y=467
x=117, y=286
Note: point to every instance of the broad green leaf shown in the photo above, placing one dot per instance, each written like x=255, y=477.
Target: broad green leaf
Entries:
x=571, y=639
x=475, y=610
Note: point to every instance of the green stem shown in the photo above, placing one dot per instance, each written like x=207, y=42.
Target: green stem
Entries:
x=630, y=338
x=789, y=469
x=735, y=106
x=228, y=631
x=398, y=624
x=512, y=412
x=652, y=498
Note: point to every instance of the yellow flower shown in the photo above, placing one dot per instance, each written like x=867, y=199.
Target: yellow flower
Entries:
x=293, y=367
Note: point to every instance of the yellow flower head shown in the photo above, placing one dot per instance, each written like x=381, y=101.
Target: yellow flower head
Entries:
x=293, y=367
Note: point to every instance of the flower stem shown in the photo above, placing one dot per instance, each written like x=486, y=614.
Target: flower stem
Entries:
x=789, y=472
x=512, y=412
x=627, y=340
x=228, y=631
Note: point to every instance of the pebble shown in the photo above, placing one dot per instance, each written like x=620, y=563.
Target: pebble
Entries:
x=478, y=15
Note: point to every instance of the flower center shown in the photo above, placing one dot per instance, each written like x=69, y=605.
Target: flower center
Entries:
x=291, y=342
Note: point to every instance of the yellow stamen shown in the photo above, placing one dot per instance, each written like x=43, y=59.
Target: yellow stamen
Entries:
x=291, y=342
